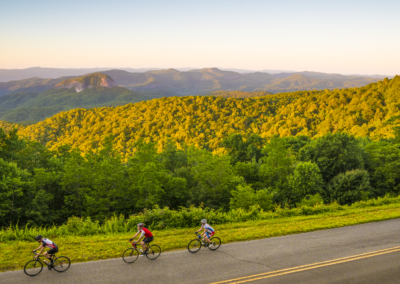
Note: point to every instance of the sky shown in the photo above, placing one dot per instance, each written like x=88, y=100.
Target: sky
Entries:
x=347, y=37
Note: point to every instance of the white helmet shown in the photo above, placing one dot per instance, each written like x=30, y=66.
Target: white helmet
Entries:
x=203, y=221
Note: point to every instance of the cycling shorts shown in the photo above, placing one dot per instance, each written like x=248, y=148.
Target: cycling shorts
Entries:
x=148, y=240
x=53, y=250
x=210, y=234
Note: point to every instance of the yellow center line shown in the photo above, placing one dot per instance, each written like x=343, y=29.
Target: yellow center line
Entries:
x=308, y=266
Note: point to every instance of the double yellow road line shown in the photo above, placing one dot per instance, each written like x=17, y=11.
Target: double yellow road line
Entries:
x=307, y=267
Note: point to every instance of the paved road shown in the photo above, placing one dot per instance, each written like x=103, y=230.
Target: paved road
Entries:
x=320, y=249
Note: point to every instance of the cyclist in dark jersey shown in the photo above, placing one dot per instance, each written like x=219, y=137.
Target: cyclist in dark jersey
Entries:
x=148, y=236
x=44, y=242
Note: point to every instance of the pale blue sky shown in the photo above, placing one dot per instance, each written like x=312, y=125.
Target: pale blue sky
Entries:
x=338, y=36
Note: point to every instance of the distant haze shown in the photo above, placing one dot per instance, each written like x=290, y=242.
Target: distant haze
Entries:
x=346, y=37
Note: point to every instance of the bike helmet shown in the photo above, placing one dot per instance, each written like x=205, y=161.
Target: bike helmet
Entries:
x=38, y=237
x=203, y=221
x=140, y=224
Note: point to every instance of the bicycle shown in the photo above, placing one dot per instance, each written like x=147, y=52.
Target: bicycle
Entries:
x=131, y=254
x=35, y=266
x=195, y=245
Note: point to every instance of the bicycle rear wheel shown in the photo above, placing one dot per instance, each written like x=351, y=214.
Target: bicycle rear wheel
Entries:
x=130, y=255
x=61, y=263
x=33, y=267
x=215, y=243
x=194, y=246
x=153, y=252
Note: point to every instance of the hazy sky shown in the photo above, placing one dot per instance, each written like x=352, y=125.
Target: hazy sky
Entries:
x=329, y=36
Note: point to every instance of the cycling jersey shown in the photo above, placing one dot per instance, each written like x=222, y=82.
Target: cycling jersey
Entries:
x=208, y=228
x=48, y=243
x=145, y=232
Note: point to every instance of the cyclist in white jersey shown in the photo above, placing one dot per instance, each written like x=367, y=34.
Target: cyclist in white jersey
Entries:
x=208, y=231
x=46, y=243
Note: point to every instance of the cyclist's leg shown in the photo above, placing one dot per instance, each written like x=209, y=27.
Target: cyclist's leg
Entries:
x=145, y=243
x=207, y=237
x=50, y=253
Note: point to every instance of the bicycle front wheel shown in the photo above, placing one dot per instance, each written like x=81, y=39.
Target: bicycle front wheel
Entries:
x=194, y=246
x=33, y=267
x=153, y=252
x=61, y=264
x=215, y=243
x=130, y=255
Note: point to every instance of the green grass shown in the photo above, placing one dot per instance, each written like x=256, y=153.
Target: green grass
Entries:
x=14, y=254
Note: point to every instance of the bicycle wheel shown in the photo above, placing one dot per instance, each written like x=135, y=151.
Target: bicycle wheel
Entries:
x=194, y=246
x=33, y=267
x=130, y=255
x=216, y=242
x=61, y=263
x=153, y=252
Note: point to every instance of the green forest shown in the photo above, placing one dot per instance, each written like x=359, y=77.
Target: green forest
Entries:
x=225, y=154
x=41, y=187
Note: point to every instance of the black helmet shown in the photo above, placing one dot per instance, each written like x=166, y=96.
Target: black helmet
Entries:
x=38, y=237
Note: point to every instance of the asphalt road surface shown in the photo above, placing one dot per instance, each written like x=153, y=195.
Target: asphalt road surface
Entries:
x=368, y=253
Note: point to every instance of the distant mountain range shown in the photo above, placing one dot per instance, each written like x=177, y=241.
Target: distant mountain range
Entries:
x=202, y=81
x=53, y=73
x=95, y=90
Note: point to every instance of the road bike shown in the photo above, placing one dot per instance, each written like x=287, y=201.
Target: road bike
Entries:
x=195, y=245
x=131, y=254
x=35, y=266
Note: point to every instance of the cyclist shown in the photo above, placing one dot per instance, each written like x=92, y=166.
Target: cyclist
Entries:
x=208, y=231
x=44, y=242
x=148, y=237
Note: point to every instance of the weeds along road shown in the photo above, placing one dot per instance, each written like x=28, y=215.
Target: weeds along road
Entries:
x=367, y=253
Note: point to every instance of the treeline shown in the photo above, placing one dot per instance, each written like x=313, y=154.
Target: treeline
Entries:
x=40, y=186
x=204, y=121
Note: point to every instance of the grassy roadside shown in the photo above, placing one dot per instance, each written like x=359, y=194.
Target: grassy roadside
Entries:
x=14, y=255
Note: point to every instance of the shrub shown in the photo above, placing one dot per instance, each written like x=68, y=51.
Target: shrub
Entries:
x=305, y=180
x=349, y=187
x=311, y=200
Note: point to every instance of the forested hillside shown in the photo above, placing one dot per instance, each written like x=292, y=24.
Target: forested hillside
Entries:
x=19, y=107
x=29, y=85
x=204, y=121
x=238, y=94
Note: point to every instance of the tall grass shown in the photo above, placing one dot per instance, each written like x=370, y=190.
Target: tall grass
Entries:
x=164, y=218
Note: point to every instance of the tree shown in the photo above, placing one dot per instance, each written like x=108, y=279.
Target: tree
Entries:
x=15, y=193
x=244, y=197
x=385, y=165
x=334, y=154
x=349, y=187
x=277, y=166
x=243, y=150
x=306, y=180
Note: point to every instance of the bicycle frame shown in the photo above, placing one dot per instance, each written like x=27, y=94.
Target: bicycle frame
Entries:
x=43, y=261
x=135, y=245
x=202, y=239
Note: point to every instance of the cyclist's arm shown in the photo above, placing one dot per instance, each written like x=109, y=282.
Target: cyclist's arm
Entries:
x=134, y=236
x=199, y=229
x=141, y=237
x=40, y=247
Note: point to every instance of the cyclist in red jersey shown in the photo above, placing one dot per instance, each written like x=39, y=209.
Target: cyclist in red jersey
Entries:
x=46, y=243
x=148, y=236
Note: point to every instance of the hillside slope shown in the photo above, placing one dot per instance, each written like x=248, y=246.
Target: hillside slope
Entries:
x=29, y=85
x=22, y=106
x=205, y=120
